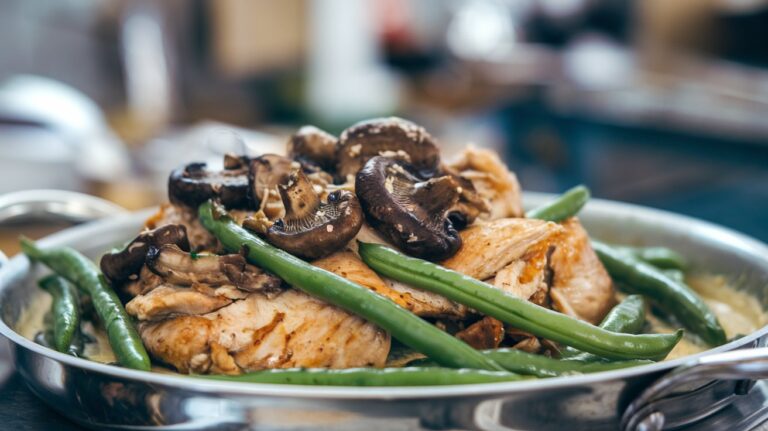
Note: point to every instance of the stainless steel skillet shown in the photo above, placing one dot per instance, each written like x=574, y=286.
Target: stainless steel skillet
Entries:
x=705, y=390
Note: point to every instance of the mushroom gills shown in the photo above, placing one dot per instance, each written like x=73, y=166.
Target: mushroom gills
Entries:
x=311, y=228
x=179, y=268
x=410, y=212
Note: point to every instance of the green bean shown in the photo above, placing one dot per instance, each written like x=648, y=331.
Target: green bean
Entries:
x=672, y=296
x=674, y=274
x=521, y=362
x=566, y=205
x=411, y=376
x=628, y=317
x=660, y=257
x=521, y=314
x=84, y=274
x=65, y=312
x=405, y=326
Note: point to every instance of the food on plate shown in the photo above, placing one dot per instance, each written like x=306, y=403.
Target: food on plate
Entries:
x=313, y=267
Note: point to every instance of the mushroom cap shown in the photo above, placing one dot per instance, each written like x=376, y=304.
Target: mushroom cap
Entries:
x=193, y=184
x=312, y=228
x=392, y=135
x=410, y=211
x=119, y=265
x=313, y=146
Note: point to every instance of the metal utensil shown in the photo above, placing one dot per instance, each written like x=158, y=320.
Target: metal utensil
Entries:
x=109, y=397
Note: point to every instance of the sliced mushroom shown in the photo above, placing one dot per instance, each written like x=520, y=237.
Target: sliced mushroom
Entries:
x=386, y=136
x=312, y=228
x=119, y=265
x=264, y=174
x=470, y=204
x=184, y=269
x=486, y=333
x=311, y=145
x=194, y=184
x=411, y=212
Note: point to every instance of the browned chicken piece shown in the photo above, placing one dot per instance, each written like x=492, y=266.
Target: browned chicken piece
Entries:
x=419, y=302
x=166, y=300
x=486, y=333
x=529, y=277
x=489, y=247
x=349, y=266
x=543, y=262
x=427, y=304
x=199, y=238
x=492, y=180
x=290, y=330
x=581, y=286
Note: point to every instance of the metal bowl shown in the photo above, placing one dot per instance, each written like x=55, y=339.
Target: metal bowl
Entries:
x=703, y=388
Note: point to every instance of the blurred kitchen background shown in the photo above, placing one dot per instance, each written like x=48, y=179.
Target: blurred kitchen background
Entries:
x=657, y=102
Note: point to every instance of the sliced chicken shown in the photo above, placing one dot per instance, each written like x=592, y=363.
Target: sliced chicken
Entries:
x=290, y=330
x=166, y=300
x=581, y=286
x=489, y=247
x=492, y=180
x=427, y=304
x=529, y=277
x=349, y=266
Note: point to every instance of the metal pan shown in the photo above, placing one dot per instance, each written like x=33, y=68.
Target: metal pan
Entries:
x=710, y=390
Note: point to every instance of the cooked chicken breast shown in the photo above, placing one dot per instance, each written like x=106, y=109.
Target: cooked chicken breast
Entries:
x=427, y=304
x=166, y=300
x=349, y=266
x=492, y=180
x=489, y=247
x=581, y=286
x=290, y=330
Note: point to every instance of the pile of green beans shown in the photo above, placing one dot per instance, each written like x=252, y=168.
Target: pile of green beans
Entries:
x=564, y=207
x=405, y=326
x=411, y=376
x=671, y=295
x=628, y=316
x=520, y=313
x=65, y=312
x=84, y=274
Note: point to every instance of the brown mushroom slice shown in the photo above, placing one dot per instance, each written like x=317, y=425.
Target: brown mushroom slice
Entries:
x=194, y=184
x=410, y=212
x=121, y=264
x=311, y=228
x=486, y=333
x=264, y=174
x=313, y=146
x=392, y=135
x=184, y=269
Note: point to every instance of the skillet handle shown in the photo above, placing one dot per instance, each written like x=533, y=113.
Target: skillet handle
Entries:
x=672, y=393
x=60, y=205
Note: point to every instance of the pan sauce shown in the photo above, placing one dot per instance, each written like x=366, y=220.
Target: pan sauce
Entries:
x=739, y=314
